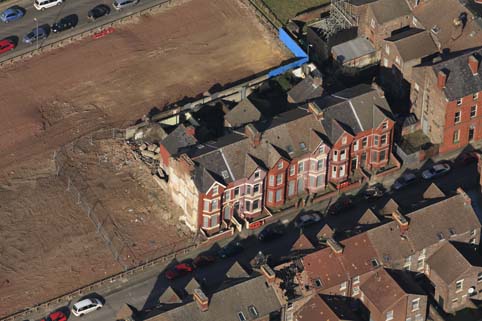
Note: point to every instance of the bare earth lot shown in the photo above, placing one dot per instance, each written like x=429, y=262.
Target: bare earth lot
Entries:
x=48, y=245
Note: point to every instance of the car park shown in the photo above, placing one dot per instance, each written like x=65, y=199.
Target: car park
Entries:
x=65, y=23
x=122, y=4
x=56, y=316
x=86, y=306
x=307, y=219
x=45, y=4
x=98, y=12
x=11, y=14
x=435, y=171
x=203, y=260
x=35, y=35
x=272, y=232
x=404, y=181
x=230, y=250
x=342, y=204
x=178, y=271
x=6, y=45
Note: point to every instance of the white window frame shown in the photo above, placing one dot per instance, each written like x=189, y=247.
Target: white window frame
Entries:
x=373, y=23
x=335, y=155
x=279, y=179
x=415, y=304
x=292, y=170
x=355, y=145
x=475, y=96
x=460, y=101
x=356, y=279
x=257, y=174
x=343, y=286
x=272, y=180
x=387, y=48
x=280, y=165
x=301, y=167
x=333, y=171
x=343, y=154
x=214, y=205
x=356, y=290
x=473, y=109
x=459, y=286
x=215, y=190
x=389, y=315
x=342, y=171
x=457, y=117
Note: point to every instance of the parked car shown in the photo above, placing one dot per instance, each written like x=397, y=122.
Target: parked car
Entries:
x=65, y=23
x=86, y=306
x=203, y=260
x=45, y=4
x=272, y=232
x=435, y=171
x=121, y=4
x=230, y=250
x=11, y=14
x=98, y=12
x=404, y=180
x=35, y=35
x=178, y=271
x=6, y=45
x=307, y=219
x=56, y=316
x=374, y=192
x=467, y=158
x=342, y=204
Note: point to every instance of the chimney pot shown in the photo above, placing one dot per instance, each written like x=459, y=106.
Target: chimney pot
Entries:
x=474, y=64
x=336, y=247
x=315, y=110
x=253, y=134
x=201, y=300
x=466, y=197
x=441, y=79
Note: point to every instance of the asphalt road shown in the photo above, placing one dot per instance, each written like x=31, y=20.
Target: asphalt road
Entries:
x=144, y=290
x=17, y=29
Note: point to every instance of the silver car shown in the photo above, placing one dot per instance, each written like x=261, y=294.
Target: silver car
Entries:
x=121, y=4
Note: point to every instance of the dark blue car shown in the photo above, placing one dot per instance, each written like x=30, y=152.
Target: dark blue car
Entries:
x=11, y=14
x=35, y=35
x=230, y=250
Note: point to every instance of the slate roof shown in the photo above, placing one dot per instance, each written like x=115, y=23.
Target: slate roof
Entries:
x=177, y=140
x=224, y=305
x=388, y=10
x=353, y=110
x=369, y=218
x=360, y=2
x=305, y=90
x=460, y=81
x=302, y=243
x=352, y=49
x=414, y=44
x=326, y=307
x=169, y=297
x=243, y=113
x=459, y=263
x=425, y=225
x=433, y=192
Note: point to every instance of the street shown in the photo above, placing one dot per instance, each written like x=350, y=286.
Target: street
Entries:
x=143, y=291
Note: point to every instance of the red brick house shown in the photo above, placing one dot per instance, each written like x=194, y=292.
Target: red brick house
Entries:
x=446, y=100
x=359, y=126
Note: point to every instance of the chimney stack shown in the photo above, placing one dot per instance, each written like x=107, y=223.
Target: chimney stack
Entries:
x=190, y=131
x=457, y=28
x=315, y=110
x=335, y=246
x=268, y=273
x=401, y=220
x=441, y=79
x=467, y=200
x=474, y=64
x=186, y=162
x=201, y=300
x=253, y=134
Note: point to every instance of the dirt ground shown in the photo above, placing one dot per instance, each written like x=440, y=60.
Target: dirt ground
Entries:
x=48, y=245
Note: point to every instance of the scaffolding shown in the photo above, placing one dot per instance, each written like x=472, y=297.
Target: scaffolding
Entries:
x=340, y=18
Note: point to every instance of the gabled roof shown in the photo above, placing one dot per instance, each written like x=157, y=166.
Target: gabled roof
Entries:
x=325, y=232
x=305, y=90
x=193, y=284
x=414, y=44
x=243, y=113
x=433, y=192
x=227, y=303
x=302, y=243
x=368, y=218
x=169, y=297
x=177, y=140
x=388, y=10
x=352, y=49
x=236, y=271
x=390, y=206
x=460, y=80
x=327, y=307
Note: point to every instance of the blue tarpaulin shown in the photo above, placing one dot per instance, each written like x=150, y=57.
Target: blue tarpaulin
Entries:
x=295, y=50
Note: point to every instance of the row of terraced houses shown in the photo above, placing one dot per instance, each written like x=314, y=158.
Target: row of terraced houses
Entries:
x=267, y=163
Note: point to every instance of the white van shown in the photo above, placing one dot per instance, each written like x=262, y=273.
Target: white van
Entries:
x=86, y=306
x=45, y=4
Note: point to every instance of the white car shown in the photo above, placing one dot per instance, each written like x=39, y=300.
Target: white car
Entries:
x=45, y=4
x=86, y=306
x=307, y=219
x=436, y=171
x=404, y=180
x=121, y=4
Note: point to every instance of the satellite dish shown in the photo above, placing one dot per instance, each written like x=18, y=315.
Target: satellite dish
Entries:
x=471, y=290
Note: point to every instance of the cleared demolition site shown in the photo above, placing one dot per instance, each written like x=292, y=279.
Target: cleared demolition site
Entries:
x=77, y=204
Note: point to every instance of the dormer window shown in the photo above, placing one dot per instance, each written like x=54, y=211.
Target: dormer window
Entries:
x=241, y=316
x=280, y=165
x=252, y=310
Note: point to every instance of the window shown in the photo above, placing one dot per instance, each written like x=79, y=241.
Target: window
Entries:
x=214, y=220
x=374, y=156
x=342, y=170
x=374, y=262
x=319, y=181
x=456, y=136
x=241, y=316
x=247, y=206
x=335, y=155
x=333, y=171
x=343, y=286
x=356, y=279
x=364, y=142
x=236, y=192
x=375, y=140
x=407, y=263
x=256, y=189
x=280, y=165
x=387, y=49
x=270, y=196
x=383, y=141
x=252, y=310
x=225, y=174
x=313, y=165
x=302, y=146
x=321, y=150
x=475, y=96
x=389, y=315
x=479, y=277
x=397, y=60
x=215, y=190
x=459, y=285
x=215, y=205
x=471, y=133
x=416, y=87
x=205, y=221
x=248, y=189
x=227, y=213
x=457, y=117
x=278, y=195
x=420, y=263
x=372, y=24
x=256, y=175
x=206, y=206
x=255, y=205
x=459, y=101
x=300, y=167
x=383, y=155
x=473, y=111
x=271, y=180
x=415, y=304
x=356, y=290
x=291, y=188
x=279, y=179
x=227, y=195
x=319, y=165
x=318, y=283
x=473, y=232
x=343, y=140
x=355, y=146
x=292, y=170
x=343, y=155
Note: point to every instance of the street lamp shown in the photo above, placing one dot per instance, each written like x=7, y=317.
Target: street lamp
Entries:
x=308, y=50
x=36, y=33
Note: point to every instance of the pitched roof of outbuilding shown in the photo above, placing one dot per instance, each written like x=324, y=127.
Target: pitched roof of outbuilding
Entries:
x=388, y=10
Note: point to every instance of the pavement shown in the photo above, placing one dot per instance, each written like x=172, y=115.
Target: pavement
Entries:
x=142, y=291
x=16, y=30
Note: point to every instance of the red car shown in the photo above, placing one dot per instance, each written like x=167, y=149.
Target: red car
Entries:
x=56, y=316
x=203, y=260
x=178, y=271
x=6, y=45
